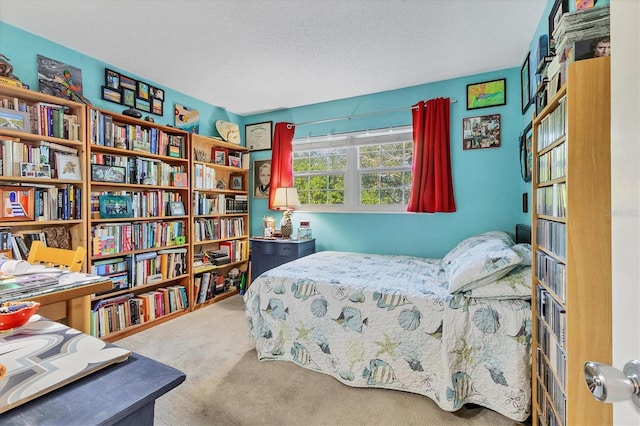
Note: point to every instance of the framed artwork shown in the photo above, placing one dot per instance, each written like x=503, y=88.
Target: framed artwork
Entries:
x=258, y=136
x=157, y=93
x=219, y=155
x=526, y=153
x=236, y=181
x=234, y=160
x=115, y=206
x=487, y=94
x=68, y=166
x=60, y=79
x=481, y=132
x=112, y=79
x=100, y=173
x=128, y=83
x=15, y=120
x=156, y=106
x=128, y=97
x=35, y=170
x=176, y=208
x=143, y=105
x=525, y=84
x=17, y=203
x=261, y=178
x=111, y=95
x=186, y=118
x=143, y=91
x=559, y=8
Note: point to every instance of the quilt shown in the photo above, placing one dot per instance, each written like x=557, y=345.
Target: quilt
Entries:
x=390, y=321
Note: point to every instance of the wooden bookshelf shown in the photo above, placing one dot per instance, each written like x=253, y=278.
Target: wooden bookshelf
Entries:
x=220, y=216
x=572, y=247
x=139, y=225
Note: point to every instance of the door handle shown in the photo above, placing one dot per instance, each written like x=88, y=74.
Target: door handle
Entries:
x=608, y=384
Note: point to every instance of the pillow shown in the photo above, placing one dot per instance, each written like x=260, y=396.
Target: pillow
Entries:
x=482, y=264
x=470, y=242
x=524, y=251
x=515, y=285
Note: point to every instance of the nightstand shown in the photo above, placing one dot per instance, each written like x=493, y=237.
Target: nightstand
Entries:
x=267, y=254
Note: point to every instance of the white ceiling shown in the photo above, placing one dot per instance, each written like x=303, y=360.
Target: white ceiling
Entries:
x=251, y=56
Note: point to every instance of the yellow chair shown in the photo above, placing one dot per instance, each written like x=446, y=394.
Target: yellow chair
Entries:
x=75, y=310
x=61, y=258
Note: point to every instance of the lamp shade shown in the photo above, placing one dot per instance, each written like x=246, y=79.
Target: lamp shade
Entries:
x=286, y=199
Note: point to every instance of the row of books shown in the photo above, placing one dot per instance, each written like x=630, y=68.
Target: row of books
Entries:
x=553, y=164
x=155, y=266
x=46, y=119
x=155, y=203
x=207, y=204
x=112, y=238
x=552, y=127
x=237, y=250
x=47, y=159
x=135, y=170
x=105, y=131
x=552, y=273
x=207, y=285
x=218, y=227
x=204, y=177
x=557, y=406
x=111, y=315
x=552, y=200
x=56, y=203
x=552, y=236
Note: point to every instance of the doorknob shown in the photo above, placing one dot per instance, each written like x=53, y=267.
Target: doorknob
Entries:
x=608, y=384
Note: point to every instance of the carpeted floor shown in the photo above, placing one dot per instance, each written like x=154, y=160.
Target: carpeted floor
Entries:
x=227, y=385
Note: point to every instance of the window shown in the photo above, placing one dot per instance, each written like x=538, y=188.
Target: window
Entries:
x=363, y=171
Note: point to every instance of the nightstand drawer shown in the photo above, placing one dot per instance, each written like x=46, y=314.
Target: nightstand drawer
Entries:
x=263, y=247
x=286, y=249
x=267, y=254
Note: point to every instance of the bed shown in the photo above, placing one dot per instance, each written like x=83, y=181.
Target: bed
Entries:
x=456, y=329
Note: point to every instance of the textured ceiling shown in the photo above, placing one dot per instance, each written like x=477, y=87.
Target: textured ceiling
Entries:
x=251, y=56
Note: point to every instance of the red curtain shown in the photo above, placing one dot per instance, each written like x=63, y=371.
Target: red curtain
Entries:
x=432, y=186
x=281, y=160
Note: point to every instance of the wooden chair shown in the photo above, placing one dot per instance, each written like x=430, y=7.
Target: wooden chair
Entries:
x=75, y=310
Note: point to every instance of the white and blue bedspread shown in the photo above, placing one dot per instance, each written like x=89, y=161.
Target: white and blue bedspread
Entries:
x=389, y=322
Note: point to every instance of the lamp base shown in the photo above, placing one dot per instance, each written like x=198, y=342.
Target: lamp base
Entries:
x=286, y=228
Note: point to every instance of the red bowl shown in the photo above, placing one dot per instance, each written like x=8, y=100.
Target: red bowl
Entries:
x=19, y=317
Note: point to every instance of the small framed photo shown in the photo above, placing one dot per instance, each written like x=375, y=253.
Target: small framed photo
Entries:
x=143, y=91
x=100, y=173
x=261, y=178
x=258, y=136
x=179, y=179
x=112, y=79
x=35, y=170
x=176, y=208
x=157, y=93
x=17, y=203
x=526, y=152
x=481, y=132
x=143, y=105
x=234, y=160
x=15, y=120
x=236, y=181
x=156, y=106
x=219, y=155
x=111, y=95
x=487, y=94
x=128, y=97
x=525, y=84
x=128, y=83
x=115, y=206
x=68, y=167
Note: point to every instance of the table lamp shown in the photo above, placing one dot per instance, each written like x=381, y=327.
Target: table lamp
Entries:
x=286, y=199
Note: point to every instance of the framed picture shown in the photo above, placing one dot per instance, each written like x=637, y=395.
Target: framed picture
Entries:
x=236, y=181
x=143, y=105
x=111, y=95
x=128, y=83
x=219, y=155
x=234, y=160
x=261, y=178
x=559, y=8
x=15, y=120
x=112, y=79
x=156, y=106
x=17, y=203
x=157, y=93
x=258, y=136
x=487, y=94
x=100, y=173
x=525, y=84
x=176, y=208
x=35, y=170
x=526, y=153
x=68, y=166
x=128, y=97
x=142, y=91
x=481, y=132
x=115, y=206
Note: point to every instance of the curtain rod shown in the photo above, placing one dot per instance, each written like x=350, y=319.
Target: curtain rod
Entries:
x=349, y=117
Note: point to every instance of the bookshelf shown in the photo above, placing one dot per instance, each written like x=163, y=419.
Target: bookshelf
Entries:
x=572, y=246
x=220, y=218
x=138, y=222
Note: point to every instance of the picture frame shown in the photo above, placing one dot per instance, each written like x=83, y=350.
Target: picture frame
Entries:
x=128, y=83
x=176, y=208
x=111, y=95
x=101, y=173
x=258, y=136
x=526, y=152
x=11, y=119
x=157, y=106
x=157, y=93
x=481, y=132
x=142, y=91
x=17, y=203
x=234, y=160
x=487, y=94
x=236, y=181
x=115, y=206
x=219, y=155
x=261, y=178
x=112, y=79
x=525, y=83
x=559, y=8
x=128, y=97
x=35, y=170
x=68, y=167
x=143, y=105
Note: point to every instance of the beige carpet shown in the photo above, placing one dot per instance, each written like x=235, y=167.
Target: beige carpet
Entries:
x=227, y=385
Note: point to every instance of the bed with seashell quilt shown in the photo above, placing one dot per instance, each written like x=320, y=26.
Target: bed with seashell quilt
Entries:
x=456, y=329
